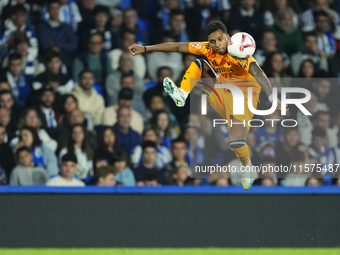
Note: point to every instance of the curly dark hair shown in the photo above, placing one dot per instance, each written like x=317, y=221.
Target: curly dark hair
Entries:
x=213, y=26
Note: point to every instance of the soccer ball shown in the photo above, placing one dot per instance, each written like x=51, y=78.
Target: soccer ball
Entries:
x=241, y=45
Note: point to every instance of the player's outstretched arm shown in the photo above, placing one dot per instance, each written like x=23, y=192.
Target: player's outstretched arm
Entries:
x=136, y=49
x=256, y=71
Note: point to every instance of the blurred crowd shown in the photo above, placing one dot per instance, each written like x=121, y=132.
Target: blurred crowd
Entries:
x=77, y=109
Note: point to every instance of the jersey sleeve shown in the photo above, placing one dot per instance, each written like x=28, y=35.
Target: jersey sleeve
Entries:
x=199, y=48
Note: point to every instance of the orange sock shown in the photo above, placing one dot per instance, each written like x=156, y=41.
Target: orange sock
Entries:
x=241, y=149
x=191, y=77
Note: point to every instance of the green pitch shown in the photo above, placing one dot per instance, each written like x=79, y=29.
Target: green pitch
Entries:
x=148, y=251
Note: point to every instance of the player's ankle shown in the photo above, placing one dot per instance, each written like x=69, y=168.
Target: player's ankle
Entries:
x=184, y=93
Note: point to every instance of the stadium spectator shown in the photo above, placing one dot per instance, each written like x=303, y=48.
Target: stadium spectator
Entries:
x=147, y=172
x=125, y=98
x=20, y=43
x=105, y=176
x=326, y=40
x=89, y=101
x=54, y=32
x=322, y=89
x=4, y=86
x=176, y=27
x=270, y=16
x=68, y=168
x=46, y=112
x=69, y=104
x=16, y=78
x=289, y=38
x=130, y=18
x=126, y=136
x=270, y=131
x=18, y=21
x=5, y=119
x=180, y=176
x=163, y=154
x=307, y=71
x=172, y=60
x=7, y=162
x=314, y=182
x=86, y=8
x=118, y=79
x=274, y=67
x=247, y=18
x=312, y=52
x=268, y=45
x=79, y=145
x=30, y=118
x=101, y=17
x=251, y=139
x=317, y=149
x=128, y=38
x=54, y=68
x=196, y=154
x=73, y=118
x=161, y=122
x=124, y=174
x=306, y=126
x=8, y=102
x=308, y=18
x=268, y=167
x=267, y=149
x=323, y=119
x=42, y=155
x=283, y=149
x=107, y=142
x=158, y=89
x=162, y=18
x=298, y=176
x=268, y=182
x=196, y=17
x=26, y=173
x=93, y=59
x=69, y=14
x=179, y=157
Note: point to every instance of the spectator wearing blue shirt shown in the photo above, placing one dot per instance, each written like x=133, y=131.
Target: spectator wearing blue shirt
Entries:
x=54, y=32
x=326, y=40
x=130, y=18
x=42, y=155
x=124, y=174
x=21, y=44
x=319, y=153
x=163, y=154
x=196, y=154
x=16, y=78
x=126, y=136
x=18, y=21
x=270, y=132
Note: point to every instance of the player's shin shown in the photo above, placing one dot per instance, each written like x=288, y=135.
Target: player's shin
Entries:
x=240, y=148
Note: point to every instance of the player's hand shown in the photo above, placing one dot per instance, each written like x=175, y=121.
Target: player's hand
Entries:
x=279, y=106
x=136, y=49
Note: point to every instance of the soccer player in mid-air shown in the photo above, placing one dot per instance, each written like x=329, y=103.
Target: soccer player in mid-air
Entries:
x=221, y=65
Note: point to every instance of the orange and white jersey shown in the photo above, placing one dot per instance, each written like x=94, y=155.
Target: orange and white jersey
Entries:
x=235, y=70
